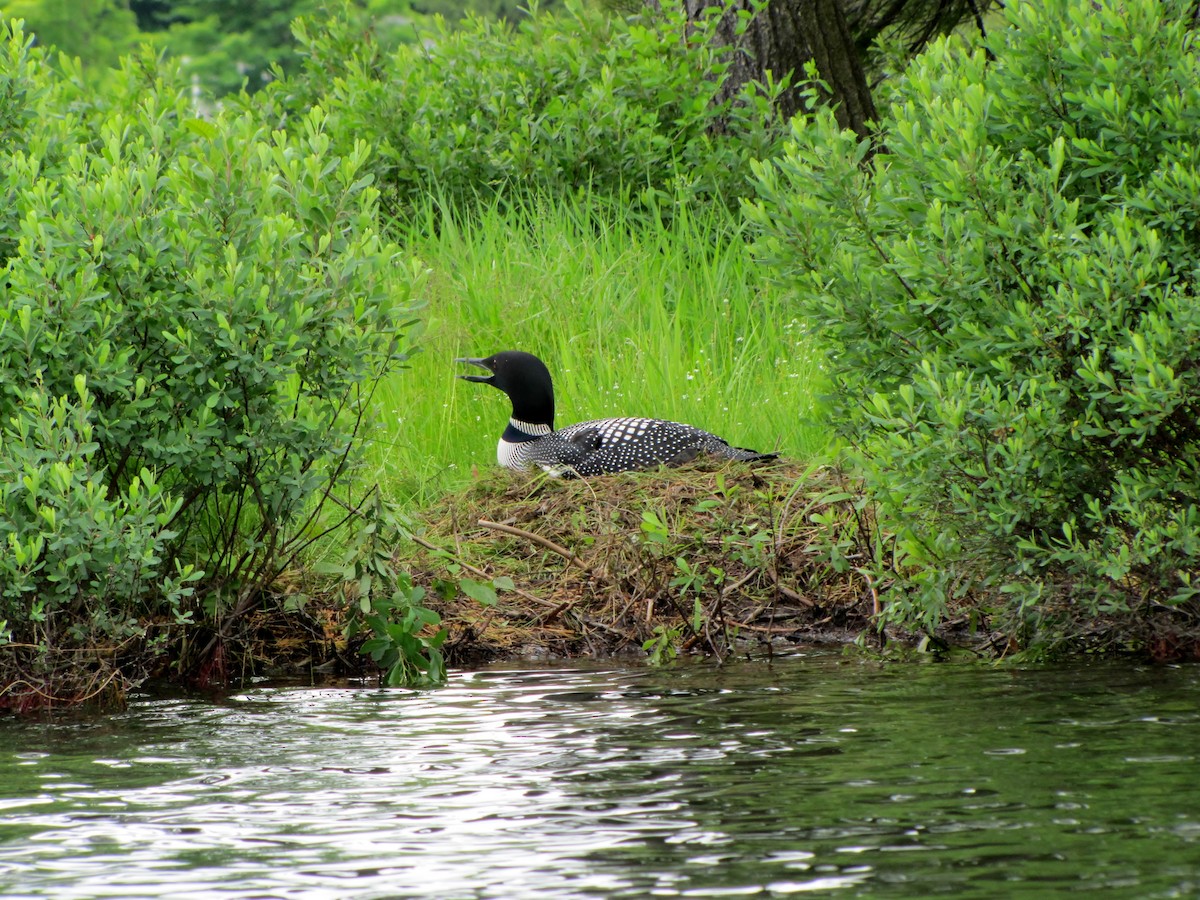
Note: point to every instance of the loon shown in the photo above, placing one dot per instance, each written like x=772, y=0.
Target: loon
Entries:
x=597, y=447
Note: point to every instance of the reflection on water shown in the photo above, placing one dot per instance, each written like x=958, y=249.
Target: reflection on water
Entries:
x=814, y=774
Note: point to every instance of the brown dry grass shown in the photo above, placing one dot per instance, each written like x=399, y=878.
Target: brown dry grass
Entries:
x=600, y=566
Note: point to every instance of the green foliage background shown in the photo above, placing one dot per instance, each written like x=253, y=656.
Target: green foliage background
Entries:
x=199, y=301
x=1009, y=293
x=97, y=31
x=223, y=44
x=228, y=44
x=193, y=318
x=558, y=105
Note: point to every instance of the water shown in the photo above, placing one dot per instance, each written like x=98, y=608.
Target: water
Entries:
x=816, y=774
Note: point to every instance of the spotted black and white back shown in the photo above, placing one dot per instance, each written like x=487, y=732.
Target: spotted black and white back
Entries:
x=604, y=446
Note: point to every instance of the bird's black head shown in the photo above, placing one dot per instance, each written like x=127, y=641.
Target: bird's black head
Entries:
x=524, y=378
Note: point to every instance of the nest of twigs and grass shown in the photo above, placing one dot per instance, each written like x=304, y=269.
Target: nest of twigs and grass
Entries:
x=717, y=559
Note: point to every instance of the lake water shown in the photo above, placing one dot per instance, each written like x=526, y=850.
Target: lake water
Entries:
x=823, y=774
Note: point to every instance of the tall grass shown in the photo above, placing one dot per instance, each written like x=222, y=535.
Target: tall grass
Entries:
x=665, y=319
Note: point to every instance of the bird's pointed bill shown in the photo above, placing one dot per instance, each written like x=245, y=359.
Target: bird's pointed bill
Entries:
x=475, y=361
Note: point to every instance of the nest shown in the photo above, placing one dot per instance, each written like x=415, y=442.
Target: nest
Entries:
x=719, y=559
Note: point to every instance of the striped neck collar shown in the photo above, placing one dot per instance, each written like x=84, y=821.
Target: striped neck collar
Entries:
x=525, y=431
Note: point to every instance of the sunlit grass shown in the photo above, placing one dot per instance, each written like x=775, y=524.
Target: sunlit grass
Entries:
x=667, y=320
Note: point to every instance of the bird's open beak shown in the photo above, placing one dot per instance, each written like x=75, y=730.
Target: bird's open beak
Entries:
x=476, y=361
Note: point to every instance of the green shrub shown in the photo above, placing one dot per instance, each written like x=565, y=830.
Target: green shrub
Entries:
x=1009, y=297
x=217, y=303
x=73, y=557
x=555, y=105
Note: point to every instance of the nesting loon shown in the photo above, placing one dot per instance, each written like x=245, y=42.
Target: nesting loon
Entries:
x=598, y=447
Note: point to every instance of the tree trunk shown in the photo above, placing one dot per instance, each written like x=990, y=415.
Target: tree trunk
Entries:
x=784, y=36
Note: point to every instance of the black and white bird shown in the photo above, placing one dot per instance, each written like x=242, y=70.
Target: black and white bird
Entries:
x=598, y=447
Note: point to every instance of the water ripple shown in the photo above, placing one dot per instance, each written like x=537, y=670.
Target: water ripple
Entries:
x=812, y=775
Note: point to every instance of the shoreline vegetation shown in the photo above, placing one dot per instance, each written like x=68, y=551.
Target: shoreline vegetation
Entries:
x=232, y=444
x=728, y=560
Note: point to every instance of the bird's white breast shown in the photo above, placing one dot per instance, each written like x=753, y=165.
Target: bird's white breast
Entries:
x=511, y=454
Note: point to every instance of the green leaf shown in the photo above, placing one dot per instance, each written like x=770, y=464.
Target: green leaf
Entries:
x=483, y=594
x=203, y=128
